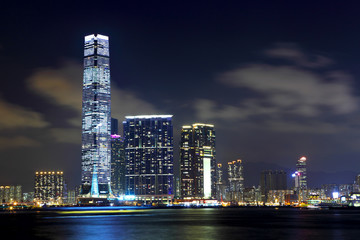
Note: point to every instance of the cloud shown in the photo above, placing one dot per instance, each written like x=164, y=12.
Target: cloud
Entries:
x=17, y=141
x=125, y=103
x=294, y=90
x=292, y=53
x=67, y=135
x=309, y=127
x=209, y=110
x=15, y=116
x=63, y=86
x=285, y=98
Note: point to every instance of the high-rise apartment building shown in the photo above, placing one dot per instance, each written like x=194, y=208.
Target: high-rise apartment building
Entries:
x=49, y=187
x=28, y=197
x=10, y=194
x=198, y=161
x=187, y=166
x=301, y=179
x=272, y=180
x=357, y=180
x=149, y=156
x=236, y=180
x=96, y=118
x=357, y=183
x=117, y=165
x=220, y=182
x=219, y=174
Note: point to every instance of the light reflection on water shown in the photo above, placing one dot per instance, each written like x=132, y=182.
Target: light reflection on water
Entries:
x=191, y=224
x=96, y=216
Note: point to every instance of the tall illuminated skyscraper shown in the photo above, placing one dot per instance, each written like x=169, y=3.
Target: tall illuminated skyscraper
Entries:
x=96, y=118
x=236, y=180
x=187, y=168
x=301, y=179
x=220, y=183
x=149, y=157
x=197, y=161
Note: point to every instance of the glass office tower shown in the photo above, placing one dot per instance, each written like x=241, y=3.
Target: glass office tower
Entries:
x=96, y=118
x=198, y=161
x=149, y=156
x=301, y=179
x=117, y=165
x=187, y=168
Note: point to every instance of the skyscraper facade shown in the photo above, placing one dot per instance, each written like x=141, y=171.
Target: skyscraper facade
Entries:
x=96, y=118
x=187, y=167
x=114, y=126
x=117, y=165
x=198, y=161
x=149, y=156
x=49, y=187
x=220, y=182
x=236, y=180
x=272, y=180
x=11, y=194
x=301, y=179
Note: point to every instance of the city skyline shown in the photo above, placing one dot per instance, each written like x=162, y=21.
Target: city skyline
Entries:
x=278, y=81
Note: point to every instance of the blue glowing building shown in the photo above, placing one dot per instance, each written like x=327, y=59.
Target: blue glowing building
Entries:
x=96, y=118
x=149, y=157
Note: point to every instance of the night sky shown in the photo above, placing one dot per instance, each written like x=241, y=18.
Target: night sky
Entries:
x=277, y=79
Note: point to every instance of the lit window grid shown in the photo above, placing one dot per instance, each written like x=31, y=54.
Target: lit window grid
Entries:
x=149, y=155
x=96, y=111
x=197, y=143
x=49, y=186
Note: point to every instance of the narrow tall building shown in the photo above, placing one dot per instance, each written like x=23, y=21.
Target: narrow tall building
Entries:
x=198, y=161
x=236, y=180
x=187, y=167
x=301, y=179
x=96, y=118
x=220, y=183
x=149, y=157
x=114, y=126
x=117, y=165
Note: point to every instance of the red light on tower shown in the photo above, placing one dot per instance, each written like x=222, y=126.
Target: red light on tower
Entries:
x=302, y=159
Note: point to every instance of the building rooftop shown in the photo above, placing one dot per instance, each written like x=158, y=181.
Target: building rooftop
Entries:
x=148, y=116
x=93, y=36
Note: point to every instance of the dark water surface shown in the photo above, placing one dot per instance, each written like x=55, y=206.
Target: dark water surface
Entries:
x=223, y=223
